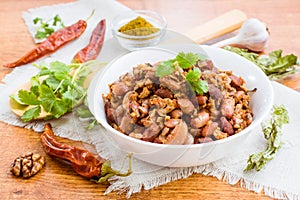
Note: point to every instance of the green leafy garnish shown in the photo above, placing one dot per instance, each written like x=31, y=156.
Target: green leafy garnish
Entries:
x=46, y=28
x=193, y=77
x=32, y=113
x=56, y=89
x=274, y=65
x=185, y=61
x=28, y=98
x=165, y=68
x=85, y=114
x=272, y=133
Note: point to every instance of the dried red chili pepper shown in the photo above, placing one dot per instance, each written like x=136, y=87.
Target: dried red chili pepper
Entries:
x=52, y=43
x=92, y=50
x=83, y=162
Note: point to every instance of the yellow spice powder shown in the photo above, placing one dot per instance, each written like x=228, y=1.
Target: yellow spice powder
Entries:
x=138, y=27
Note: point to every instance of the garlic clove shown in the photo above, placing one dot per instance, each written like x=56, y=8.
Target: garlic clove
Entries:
x=253, y=35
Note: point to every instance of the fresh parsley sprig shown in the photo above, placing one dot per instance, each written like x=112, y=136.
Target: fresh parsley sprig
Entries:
x=185, y=61
x=274, y=65
x=272, y=133
x=46, y=28
x=56, y=89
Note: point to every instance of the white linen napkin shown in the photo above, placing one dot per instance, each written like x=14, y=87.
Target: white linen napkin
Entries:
x=279, y=179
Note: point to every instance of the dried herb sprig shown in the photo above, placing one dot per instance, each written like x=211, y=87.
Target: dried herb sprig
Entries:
x=272, y=133
x=274, y=65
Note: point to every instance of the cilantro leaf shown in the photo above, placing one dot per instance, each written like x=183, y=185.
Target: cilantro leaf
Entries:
x=28, y=98
x=35, y=90
x=84, y=113
x=59, y=67
x=52, y=82
x=193, y=75
x=200, y=87
x=16, y=99
x=34, y=81
x=165, y=68
x=45, y=29
x=70, y=96
x=92, y=124
x=185, y=61
x=32, y=113
x=47, y=97
x=56, y=89
x=57, y=20
x=37, y=19
x=41, y=35
x=44, y=72
x=59, y=108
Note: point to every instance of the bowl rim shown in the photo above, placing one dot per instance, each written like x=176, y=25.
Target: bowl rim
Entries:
x=159, y=32
x=190, y=146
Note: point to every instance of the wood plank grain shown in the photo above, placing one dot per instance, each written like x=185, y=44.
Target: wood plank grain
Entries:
x=57, y=180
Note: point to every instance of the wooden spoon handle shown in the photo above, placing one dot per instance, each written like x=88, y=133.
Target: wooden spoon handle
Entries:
x=218, y=26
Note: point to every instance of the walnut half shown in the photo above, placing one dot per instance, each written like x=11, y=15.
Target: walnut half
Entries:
x=27, y=165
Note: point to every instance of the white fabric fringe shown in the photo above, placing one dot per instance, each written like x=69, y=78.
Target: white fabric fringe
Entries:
x=279, y=179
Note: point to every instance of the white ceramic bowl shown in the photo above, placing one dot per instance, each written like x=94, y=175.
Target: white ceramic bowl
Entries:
x=183, y=155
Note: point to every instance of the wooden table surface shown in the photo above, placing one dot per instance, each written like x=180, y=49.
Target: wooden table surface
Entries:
x=57, y=180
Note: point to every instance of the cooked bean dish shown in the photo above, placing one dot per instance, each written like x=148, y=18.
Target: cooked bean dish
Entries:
x=167, y=109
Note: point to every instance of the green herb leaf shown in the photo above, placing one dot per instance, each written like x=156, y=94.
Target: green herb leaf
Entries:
x=31, y=114
x=193, y=75
x=37, y=19
x=35, y=90
x=165, y=68
x=272, y=133
x=185, y=61
x=59, y=108
x=44, y=30
x=84, y=113
x=41, y=35
x=55, y=89
x=16, y=99
x=274, y=65
x=47, y=97
x=28, y=98
x=57, y=20
x=92, y=125
x=58, y=66
x=52, y=82
x=70, y=96
x=200, y=87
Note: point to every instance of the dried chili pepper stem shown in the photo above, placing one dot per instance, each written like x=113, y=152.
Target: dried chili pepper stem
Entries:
x=55, y=41
x=83, y=162
x=107, y=171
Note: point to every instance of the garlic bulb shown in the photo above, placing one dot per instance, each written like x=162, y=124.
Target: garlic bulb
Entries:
x=253, y=35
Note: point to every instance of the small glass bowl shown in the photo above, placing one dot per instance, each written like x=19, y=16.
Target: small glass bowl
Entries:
x=132, y=42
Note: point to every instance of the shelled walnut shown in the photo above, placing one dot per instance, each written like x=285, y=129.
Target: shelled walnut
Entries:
x=27, y=165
